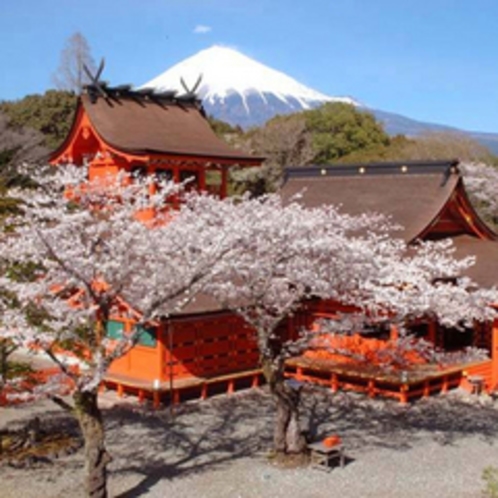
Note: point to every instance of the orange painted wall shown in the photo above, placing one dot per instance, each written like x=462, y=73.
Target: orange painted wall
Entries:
x=142, y=362
x=208, y=345
x=199, y=346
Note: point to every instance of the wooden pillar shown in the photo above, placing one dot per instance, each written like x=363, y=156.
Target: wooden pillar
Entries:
x=371, y=388
x=176, y=173
x=334, y=383
x=494, y=357
x=431, y=337
x=393, y=333
x=120, y=390
x=255, y=380
x=202, y=179
x=224, y=182
x=426, y=391
x=156, y=399
x=161, y=337
x=204, y=391
x=445, y=385
x=403, y=394
x=299, y=373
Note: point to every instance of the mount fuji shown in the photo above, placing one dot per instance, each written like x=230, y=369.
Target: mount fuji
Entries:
x=244, y=92
x=238, y=89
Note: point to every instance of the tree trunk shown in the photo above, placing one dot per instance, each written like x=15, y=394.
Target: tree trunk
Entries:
x=3, y=364
x=288, y=437
x=96, y=456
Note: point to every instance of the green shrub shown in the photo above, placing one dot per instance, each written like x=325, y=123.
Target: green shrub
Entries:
x=490, y=477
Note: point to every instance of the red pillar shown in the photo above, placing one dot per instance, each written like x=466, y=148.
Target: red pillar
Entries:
x=202, y=179
x=432, y=332
x=224, y=182
x=161, y=352
x=494, y=356
x=334, y=383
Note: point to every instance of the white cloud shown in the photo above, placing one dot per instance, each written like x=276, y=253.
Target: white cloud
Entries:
x=201, y=29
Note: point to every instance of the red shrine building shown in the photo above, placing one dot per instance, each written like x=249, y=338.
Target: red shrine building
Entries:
x=429, y=202
x=204, y=347
x=168, y=136
x=148, y=134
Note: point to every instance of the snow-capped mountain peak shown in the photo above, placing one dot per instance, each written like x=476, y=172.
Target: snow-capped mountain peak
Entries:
x=230, y=75
x=244, y=92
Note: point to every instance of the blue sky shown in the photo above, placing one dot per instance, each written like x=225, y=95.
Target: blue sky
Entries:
x=431, y=60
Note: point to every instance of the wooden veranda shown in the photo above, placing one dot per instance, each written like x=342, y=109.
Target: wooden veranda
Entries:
x=173, y=391
x=415, y=382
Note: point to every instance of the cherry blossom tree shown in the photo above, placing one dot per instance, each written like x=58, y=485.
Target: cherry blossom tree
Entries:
x=293, y=254
x=481, y=181
x=88, y=250
x=290, y=254
x=428, y=284
x=7, y=345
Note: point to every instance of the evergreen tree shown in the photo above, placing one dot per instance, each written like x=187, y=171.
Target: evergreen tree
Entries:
x=339, y=129
x=50, y=113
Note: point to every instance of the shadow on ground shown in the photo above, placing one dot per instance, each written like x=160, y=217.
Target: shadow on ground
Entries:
x=204, y=436
x=151, y=445
x=195, y=438
x=369, y=424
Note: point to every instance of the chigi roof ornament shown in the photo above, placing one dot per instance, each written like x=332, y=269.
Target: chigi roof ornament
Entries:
x=100, y=88
x=96, y=86
x=190, y=93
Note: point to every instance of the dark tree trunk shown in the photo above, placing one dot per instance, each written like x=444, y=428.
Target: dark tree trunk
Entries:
x=3, y=364
x=96, y=456
x=288, y=437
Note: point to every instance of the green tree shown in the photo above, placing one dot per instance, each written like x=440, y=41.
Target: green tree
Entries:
x=50, y=113
x=340, y=129
x=330, y=133
x=17, y=146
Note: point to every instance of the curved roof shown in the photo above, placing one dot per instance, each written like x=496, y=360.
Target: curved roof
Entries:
x=485, y=270
x=145, y=125
x=411, y=194
x=417, y=196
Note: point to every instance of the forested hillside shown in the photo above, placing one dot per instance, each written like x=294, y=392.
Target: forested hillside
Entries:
x=333, y=133
x=339, y=133
x=51, y=114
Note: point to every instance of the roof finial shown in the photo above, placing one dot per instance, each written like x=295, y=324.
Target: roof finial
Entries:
x=96, y=86
x=190, y=93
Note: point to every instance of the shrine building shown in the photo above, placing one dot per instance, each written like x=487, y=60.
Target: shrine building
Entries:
x=204, y=346
x=145, y=133
x=428, y=201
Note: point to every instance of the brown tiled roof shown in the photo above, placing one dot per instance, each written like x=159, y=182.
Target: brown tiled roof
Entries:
x=412, y=194
x=485, y=270
x=143, y=126
x=202, y=303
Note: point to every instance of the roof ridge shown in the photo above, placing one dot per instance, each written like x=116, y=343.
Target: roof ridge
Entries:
x=445, y=167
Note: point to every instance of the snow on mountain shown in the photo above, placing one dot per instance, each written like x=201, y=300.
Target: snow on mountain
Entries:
x=239, y=89
x=244, y=92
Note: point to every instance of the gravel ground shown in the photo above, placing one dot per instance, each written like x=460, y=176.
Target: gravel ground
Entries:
x=218, y=448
